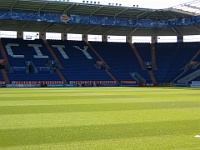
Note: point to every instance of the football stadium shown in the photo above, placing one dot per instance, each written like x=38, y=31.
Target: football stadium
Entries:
x=104, y=75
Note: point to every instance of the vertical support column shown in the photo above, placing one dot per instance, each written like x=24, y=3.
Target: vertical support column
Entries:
x=42, y=35
x=128, y=39
x=104, y=38
x=20, y=34
x=63, y=36
x=85, y=37
x=180, y=38
x=153, y=56
x=154, y=39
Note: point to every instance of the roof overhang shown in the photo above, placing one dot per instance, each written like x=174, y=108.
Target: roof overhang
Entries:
x=190, y=8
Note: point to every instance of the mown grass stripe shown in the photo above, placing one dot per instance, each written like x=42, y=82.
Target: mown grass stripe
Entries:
x=34, y=136
x=17, y=121
x=165, y=142
x=94, y=107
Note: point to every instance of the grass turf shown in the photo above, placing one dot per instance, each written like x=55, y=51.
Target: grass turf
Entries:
x=109, y=118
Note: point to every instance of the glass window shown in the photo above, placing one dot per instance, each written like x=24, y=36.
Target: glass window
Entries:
x=191, y=38
x=53, y=36
x=167, y=39
x=116, y=38
x=141, y=39
x=30, y=35
x=95, y=38
x=8, y=34
x=74, y=37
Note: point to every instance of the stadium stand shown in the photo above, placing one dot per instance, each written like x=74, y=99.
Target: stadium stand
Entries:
x=184, y=56
x=144, y=49
x=121, y=59
x=29, y=60
x=1, y=76
x=197, y=79
x=78, y=61
x=32, y=61
x=164, y=55
x=19, y=51
x=173, y=58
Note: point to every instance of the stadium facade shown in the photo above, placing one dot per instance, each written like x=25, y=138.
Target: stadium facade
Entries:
x=69, y=63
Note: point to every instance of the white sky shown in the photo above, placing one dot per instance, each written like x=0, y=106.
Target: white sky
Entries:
x=154, y=4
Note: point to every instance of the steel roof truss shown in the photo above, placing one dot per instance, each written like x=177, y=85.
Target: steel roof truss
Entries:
x=125, y=9
x=13, y=5
x=69, y=8
x=43, y=5
x=96, y=10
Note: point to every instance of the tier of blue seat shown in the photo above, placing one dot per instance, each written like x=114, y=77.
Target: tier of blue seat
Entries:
x=189, y=71
x=171, y=59
x=121, y=59
x=33, y=77
x=144, y=49
x=197, y=79
x=1, y=76
x=164, y=56
x=184, y=54
x=29, y=52
x=77, y=66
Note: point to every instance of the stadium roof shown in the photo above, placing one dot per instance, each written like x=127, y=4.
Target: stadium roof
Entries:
x=191, y=8
x=63, y=6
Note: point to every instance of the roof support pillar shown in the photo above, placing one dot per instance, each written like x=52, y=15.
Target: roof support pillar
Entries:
x=20, y=34
x=179, y=38
x=63, y=36
x=154, y=39
x=128, y=39
x=104, y=38
x=85, y=37
x=42, y=35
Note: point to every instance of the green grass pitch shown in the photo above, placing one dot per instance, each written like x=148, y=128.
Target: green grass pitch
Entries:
x=100, y=118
